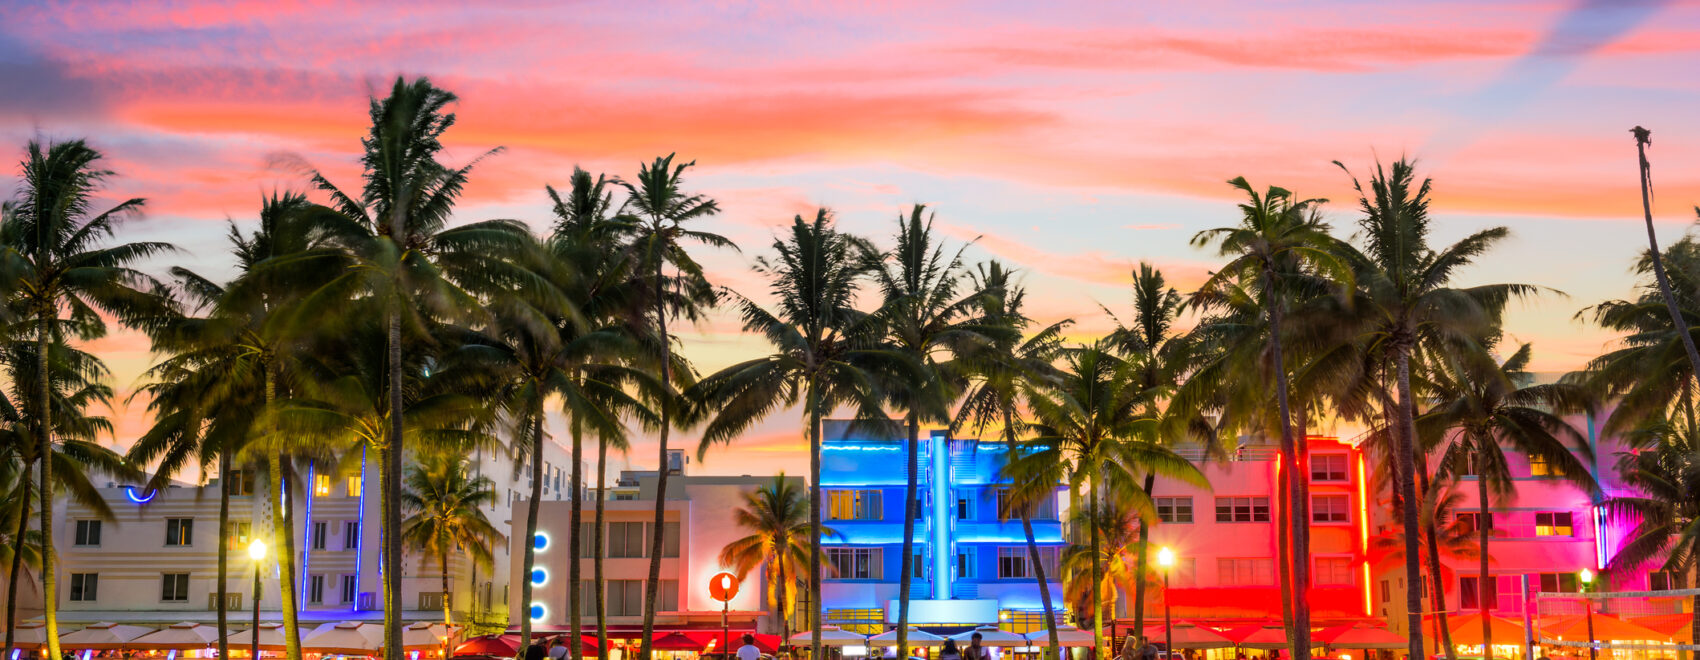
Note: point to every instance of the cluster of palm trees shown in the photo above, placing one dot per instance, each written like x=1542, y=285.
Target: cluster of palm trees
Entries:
x=372, y=328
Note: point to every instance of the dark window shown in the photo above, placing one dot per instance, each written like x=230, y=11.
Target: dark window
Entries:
x=1330, y=508
x=965, y=563
x=88, y=532
x=1471, y=595
x=670, y=540
x=1559, y=583
x=174, y=587
x=1475, y=521
x=317, y=535
x=348, y=588
x=179, y=531
x=1666, y=580
x=1174, y=509
x=316, y=589
x=1242, y=509
x=1328, y=467
x=350, y=534
x=241, y=483
x=84, y=587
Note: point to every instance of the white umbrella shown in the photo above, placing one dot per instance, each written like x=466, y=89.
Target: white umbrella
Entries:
x=271, y=638
x=30, y=635
x=829, y=636
x=102, y=636
x=916, y=638
x=1066, y=636
x=345, y=638
x=990, y=636
x=179, y=637
x=423, y=636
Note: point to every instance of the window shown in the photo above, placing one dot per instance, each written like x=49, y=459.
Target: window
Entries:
x=1044, y=509
x=918, y=566
x=964, y=506
x=1559, y=582
x=1013, y=563
x=350, y=534
x=625, y=598
x=668, y=596
x=316, y=537
x=586, y=541
x=240, y=532
x=1471, y=595
x=965, y=562
x=1553, y=523
x=1333, y=571
x=1183, y=574
x=1539, y=466
x=670, y=540
x=88, y=533
x=1386, y=592
x=84, y=587
x=1666, y=580
x=315, y=589
x=1328, y=467
x=430, y=600
x=1465, y=464
x=174, y=588
x=625, y=540
x=241, y=483
x=354, y=486
x=1242, y=509
x=179, y=531
x=349, y=588
x=853, y=505
x=1174, y=509
x=1245, y=572
x=856, y=563
x=1475, y=521
x=1330, y=508
x=321, y=484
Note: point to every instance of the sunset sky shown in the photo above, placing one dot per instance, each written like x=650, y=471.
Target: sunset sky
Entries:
x=1072, y=140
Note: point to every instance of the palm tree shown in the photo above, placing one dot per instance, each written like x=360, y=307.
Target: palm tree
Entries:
x=1003, y=376
x=1444, y=534
x=826, y=354
x=404, y=257
x=1406, y=294
x=1664, y=505
x=1277, y=233
x=446, y=515
x=1487, y=406
x=18, y=552
x=62, y=268
x=1644, y=137
x=777, y=516
x=1089, y=575
x=930, y=320
x=1085, y=423
x=1646, y=374
x=662, y=209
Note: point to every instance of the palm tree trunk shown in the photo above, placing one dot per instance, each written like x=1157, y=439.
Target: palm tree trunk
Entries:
x=1437, y=593
x=391, y=477
x=814, y=520
x=1142, y=562
x=1405, y=459
x=1033, y=546
x=531, y=528
x=1642, y=138
x=223, y=552
x=652, y=586
x=911, y=486
x=574, y=540
x=1289, y=454
x=280, y=526
x=448, y=596
x=44, y=455
x=1098, y=649
x=596, y=554
x=1693, y=606
x=781, y=577
x=18, y=561
x=1284, y=550
x=1482, y=539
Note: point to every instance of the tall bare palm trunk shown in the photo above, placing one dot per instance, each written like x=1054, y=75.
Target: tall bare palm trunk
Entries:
x=596, y=554
x=525, y=590
x=280, y=526
x=18, y=561
x=1098, y=647
x=1284, y=550
x=1143, y=562
x=781, y=578
x=448, y=596
x=223, y=556
x=44, y=456
x=652, y=586
x=910, y=488
x=391, y=477
x=574, y=542
x=1437, y=590
x=1405, y=463
x=1033, y=548
x=1644, y=137
x=1289, y=454
x=1482, y=539
x=814, y=520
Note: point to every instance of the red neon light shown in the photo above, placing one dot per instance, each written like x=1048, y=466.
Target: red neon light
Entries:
x=1363, y=530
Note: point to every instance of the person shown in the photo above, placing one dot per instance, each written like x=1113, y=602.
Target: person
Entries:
x=558, y=649
x=974, y=650
x=1130, y=648
x=749, y=651
x=535, y=652
x=949, y=651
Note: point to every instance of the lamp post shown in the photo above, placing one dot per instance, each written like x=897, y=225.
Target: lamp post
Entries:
x=256, y=552
x=1166, y=559
x=1587, y=585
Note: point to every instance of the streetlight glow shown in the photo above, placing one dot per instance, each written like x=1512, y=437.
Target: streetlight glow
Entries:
x=1165, y=557
x=257, y=550
x=1587, y=576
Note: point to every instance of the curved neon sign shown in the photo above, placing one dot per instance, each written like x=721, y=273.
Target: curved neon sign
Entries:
x=130, y=491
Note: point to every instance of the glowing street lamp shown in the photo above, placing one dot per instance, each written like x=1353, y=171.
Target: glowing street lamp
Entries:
x=1166, y=559
x=1587, y=585
x=256, y=552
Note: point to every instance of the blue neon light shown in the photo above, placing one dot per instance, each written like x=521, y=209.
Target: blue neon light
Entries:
x=540, y=541
x=539, y=576
x=538, y=611
x=306, y=556
x=130, y=491
x=361, y=548
x=838, y=446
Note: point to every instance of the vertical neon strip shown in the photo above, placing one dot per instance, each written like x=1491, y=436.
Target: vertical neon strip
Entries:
x=360, y=548
x=1600, y=557
x=942, y=555
x=307, y=532
x=1363, y=530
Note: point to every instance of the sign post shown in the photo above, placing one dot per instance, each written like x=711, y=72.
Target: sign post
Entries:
x=723, y=587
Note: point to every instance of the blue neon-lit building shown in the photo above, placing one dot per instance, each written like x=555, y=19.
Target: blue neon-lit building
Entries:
x=973, y=565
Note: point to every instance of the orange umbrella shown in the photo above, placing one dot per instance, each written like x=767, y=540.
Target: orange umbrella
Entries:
x=1354, y=637
x=1467, y=629
x=1679, y=627
x=1606, y=626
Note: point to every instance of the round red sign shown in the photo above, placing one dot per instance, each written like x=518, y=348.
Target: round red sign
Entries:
x=723, y=586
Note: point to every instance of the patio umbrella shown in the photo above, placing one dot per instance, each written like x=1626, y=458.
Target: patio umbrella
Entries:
x=829, y=636
x=1606, y=627
x=31, y=635
x=916, y=638
x=344, y=638
x=1265, y=638
x=1676, y=626
x=102, y=636
x=179, y=637
x=423, y=636
x=990, y=636
x=271, y=638
x=1186, y=636
x=676, y=642
x=1467, y=628
x=1066, y=636
x=1358, y=637
x=766, y=643
x=500, y=646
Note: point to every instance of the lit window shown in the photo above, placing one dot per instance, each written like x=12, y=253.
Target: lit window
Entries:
x=321, y=484
x=853, y=505
x=1553, y=523
x=354, y=486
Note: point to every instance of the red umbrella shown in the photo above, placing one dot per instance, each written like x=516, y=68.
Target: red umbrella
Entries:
x=676, y=642
x=767, y=643
x=492, y=645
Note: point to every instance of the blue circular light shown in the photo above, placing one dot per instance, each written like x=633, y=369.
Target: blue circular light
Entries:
x=539, y=575
x=538, y=611
x=540, y=541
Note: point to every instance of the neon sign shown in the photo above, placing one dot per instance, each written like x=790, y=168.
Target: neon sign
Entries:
x=130, y=492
